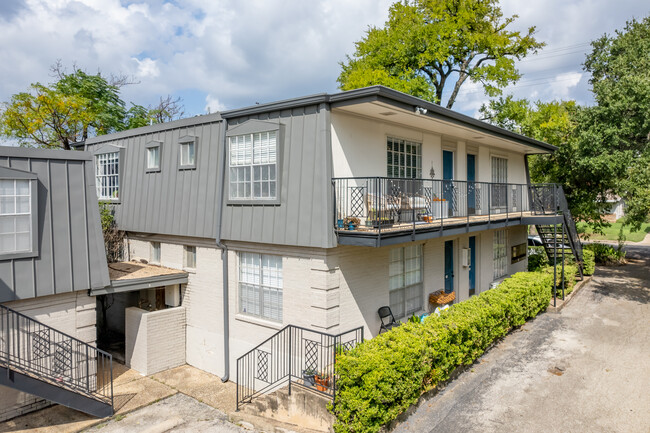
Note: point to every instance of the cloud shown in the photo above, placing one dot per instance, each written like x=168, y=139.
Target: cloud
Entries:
x=213, y=105
x=147, y=68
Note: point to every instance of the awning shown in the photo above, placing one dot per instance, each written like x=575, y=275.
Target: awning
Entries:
x=134, y=275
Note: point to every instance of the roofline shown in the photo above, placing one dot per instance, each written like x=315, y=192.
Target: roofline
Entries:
x=39, y=153
x=394, y=97
x=150, y=129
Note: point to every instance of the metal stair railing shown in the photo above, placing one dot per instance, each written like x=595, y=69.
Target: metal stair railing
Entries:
x=293, y=355
x=572, y=231
x=37, y=350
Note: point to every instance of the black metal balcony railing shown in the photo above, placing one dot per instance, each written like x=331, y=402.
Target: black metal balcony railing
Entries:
x=42, y=352
x=391, y=203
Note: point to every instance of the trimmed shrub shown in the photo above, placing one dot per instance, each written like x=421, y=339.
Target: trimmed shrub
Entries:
x=606, y=254
x=384, y=376
x=588, y=262
x=570, y=272
x=537, y=258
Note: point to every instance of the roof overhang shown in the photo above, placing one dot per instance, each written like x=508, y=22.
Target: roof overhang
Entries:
x=131, y=276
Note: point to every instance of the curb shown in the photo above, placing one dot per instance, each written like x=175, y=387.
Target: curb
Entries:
x=562, y=303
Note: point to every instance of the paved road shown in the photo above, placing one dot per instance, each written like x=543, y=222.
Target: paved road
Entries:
x=585, y=369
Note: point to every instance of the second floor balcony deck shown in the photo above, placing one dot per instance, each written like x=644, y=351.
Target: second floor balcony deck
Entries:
x=377, y=211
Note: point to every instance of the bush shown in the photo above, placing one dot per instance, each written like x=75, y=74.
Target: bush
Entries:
x=588, y=262
x=537, y=258
x=381, y=378
x=606, y=254
x=570, y=272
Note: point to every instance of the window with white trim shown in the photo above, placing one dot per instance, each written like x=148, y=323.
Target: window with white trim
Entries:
x=500, y=253
x=260, y=285
x=153, y=158
x=107, y=175
x=405, y=280
x=189, y=259
x=404, y=158
x=155, y=253
x=253, y=166
x=15, y=216
x=188, y=153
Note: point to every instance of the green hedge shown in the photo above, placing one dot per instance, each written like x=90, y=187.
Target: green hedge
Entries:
x=570, y=273
x=384, y=376
x=606, y=254
x=588, y=261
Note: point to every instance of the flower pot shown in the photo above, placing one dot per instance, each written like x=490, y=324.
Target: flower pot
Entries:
x=308, y=379
x=339, y=223
x=350, y=226
x=322, y=383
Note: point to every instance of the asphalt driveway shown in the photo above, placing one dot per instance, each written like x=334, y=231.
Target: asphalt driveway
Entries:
x=584, y=369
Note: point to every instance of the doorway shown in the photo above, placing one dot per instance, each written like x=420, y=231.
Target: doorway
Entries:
x=449, y=266
x=471, y=187
x=448, y=193
x=472, y=265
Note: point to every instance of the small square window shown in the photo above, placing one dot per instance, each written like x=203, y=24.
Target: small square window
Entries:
x=189, y=261
x=155, y=253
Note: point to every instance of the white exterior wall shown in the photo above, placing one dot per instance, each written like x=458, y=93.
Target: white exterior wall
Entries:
x=70, y=313
x=359, y=150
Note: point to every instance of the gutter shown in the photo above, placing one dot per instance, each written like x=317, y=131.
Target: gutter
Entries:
x=224, y=257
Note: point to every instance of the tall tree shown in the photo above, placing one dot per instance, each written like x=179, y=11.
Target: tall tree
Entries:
x=428, y=45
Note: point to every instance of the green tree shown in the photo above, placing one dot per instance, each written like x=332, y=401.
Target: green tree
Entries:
x=427, y=45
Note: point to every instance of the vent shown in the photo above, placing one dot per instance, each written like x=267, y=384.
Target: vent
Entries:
x=388, y=113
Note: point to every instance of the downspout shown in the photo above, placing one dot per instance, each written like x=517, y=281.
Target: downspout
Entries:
x=224, y=256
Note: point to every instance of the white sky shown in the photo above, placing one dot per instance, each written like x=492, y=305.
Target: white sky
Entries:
x=224, y=54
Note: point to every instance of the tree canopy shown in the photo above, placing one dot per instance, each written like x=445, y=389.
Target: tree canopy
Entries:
x=428, y=45
x=604, y=149
x=76, y=106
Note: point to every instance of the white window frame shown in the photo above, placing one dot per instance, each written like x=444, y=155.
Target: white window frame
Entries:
x=253, y=174
x=500, y=254
x=21, y=220
x=155, y=251
x=261, y=286
x=189, y=257
x=188, y=142
x=150, y=147
x=406, y=280
x=403, y=158
x=107, y=175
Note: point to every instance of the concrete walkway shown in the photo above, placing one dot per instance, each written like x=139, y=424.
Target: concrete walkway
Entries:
x=133, y=391
x=585, y=369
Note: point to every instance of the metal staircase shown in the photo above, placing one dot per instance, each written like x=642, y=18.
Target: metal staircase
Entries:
x=39, y=360
x=549, y=199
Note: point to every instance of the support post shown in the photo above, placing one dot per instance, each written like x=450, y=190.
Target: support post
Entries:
x=555, y=265
x=563, y=262
x=290, y=344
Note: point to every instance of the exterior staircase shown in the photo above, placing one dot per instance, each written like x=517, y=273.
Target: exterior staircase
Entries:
x=549, y=199
x=39, y=360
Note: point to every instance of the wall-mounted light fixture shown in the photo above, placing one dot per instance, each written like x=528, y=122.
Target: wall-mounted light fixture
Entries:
x=420, y=110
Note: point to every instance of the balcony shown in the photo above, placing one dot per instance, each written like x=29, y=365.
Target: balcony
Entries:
x=378, y=211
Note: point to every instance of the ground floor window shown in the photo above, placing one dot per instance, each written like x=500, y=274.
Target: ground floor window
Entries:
x=500, y=253
x=260, y=285
x=405, y=280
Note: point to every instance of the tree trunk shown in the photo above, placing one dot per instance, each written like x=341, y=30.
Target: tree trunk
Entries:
x=454, y=94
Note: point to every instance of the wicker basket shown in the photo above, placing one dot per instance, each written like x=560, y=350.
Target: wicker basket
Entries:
x=441, y=298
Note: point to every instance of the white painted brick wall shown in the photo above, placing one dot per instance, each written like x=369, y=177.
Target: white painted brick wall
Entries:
x=71, y=313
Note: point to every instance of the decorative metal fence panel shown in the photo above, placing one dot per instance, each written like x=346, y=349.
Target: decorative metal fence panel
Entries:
x=294, y=355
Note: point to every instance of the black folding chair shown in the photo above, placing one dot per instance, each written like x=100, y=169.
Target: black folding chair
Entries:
x=388, y=321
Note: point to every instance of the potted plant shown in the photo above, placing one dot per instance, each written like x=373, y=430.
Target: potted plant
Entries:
x=351, y=222
x=308, y=377
x=322, y=381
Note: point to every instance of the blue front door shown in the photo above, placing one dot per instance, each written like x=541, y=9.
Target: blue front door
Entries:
x=472, y=265
x=447, y=176
x=449, y=266
x=471, y=188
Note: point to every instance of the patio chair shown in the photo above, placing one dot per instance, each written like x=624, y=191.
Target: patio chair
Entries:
x=388, y=321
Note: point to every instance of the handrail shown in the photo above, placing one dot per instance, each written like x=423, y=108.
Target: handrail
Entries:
x=41, y=351
x=287, y=355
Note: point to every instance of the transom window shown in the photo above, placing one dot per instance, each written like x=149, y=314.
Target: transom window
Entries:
x=405, y=280
x=500, y=253
x=260, y=285
x=404, y=158
x=107, y=174
x=15, y=216
x=253, y=166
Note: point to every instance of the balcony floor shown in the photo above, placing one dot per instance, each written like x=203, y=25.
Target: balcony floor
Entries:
x=405, y=231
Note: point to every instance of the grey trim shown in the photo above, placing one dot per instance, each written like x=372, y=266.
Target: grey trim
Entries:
x=159, y=127
x=107, y=148
x=33, y=152
x=395, y=98
x=150, y=145
x=186, y=140
x=119, y=286
x=13, y=173
x=254, y=126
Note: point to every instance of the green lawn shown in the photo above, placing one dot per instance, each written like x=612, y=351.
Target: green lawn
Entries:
x=611, y=232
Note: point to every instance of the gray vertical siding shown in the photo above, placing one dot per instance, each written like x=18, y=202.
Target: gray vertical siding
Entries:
x=304, y=215
x=70, y=243
x=171, y=201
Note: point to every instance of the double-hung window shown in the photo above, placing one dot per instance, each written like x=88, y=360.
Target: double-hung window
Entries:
x=153, y=156
x=260, y=285
x=15, y=216
x=253, y=166
x=404, y=158
x=500, y=253
x=187, y=158
x=107, y=175
x=405, y=280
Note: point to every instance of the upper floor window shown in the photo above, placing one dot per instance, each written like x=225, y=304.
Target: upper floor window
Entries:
x=15, y=216
x=107, y=173
x=187, y=152
x=155, y=253
x=153, y=156
x=253, y=166
x=189, y=259
x=404, y=158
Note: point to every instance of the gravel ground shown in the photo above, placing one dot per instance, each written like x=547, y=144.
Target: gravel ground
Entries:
x=585, y=369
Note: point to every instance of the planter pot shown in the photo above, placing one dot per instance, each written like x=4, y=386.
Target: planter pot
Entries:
x=339, y=223
x=322, y=383
x=351, y=226
x=308, y=380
